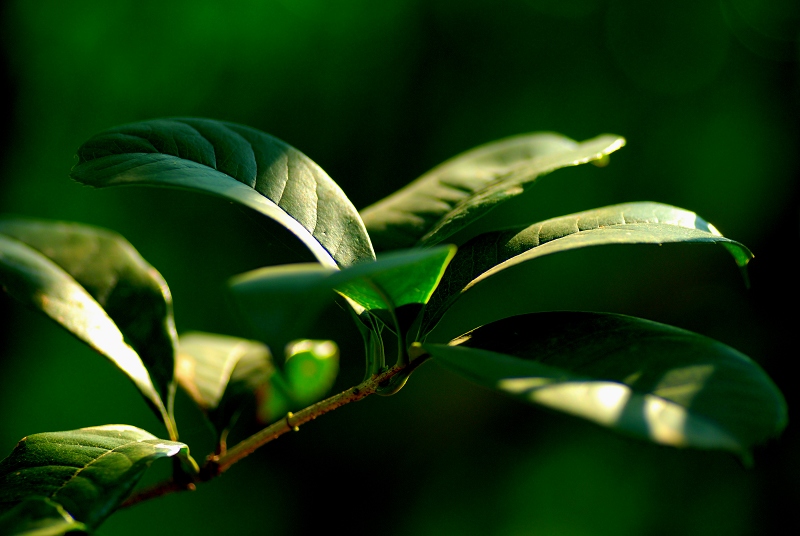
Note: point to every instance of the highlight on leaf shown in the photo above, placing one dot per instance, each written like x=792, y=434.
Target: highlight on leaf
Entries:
x=307, y=376
x=224, y=375
x=463, y=189
x=70, y=272
x=629, y=223
x=237, y=163
x=80, y=475
x=642, y=378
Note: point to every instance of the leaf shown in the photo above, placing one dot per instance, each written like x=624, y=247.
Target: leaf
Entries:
x=223, y=375
x=627, y=223
x=395, y=279
x=131, y=291
x=466, y=187
x=237, y=163
x=650, y=380
x=282, y=303
x=37, y=516
x=87, y=472
x=309, y=373
x=311, y=369
x=36, y=281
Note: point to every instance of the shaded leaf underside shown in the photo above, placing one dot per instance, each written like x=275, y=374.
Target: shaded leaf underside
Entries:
x=647, y=379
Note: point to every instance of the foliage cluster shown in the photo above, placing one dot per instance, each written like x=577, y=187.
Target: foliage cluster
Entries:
x=397, y=267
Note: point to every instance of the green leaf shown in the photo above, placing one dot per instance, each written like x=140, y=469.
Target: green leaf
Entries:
x=628, y=223
x=282, y=303
x=309, y=373
x=395, y=279
x=38, y=282
x=224, y=375
x=466, y=187
x=652, y=381
x=311, y=369
x=237, y=163
x=131, y=291
x=37, y=516
x=88, y=472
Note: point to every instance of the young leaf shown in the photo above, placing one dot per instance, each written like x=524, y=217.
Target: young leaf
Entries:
x=37, y=516
x=223, y=375
x=628, y=223
x=395, y=279
x=237, y=163
x=86, y=472
x=131, y=291
x=638, y=377
x=311, y=369
x=466, y=187
x=38, y=282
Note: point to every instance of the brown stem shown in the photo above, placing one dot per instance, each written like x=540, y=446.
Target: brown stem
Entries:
x=157, y=490
x=219, y=464
x=216, y=464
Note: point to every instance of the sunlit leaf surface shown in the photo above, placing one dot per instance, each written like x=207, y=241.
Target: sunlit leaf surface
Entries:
x=395, y=279
x=38, y=516
x=38, y=282
x=466, y=187
x=130, y=290
x=628, y=223
x=224, y=375
x=86, y=472
x=642, y=378
x=281, y=302
x=238, y=163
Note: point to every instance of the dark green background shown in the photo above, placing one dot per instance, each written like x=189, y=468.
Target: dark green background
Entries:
x=377, y=92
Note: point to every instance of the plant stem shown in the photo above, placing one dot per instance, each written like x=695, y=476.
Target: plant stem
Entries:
x=219, y=464
x=216, y=464
x=157, y=490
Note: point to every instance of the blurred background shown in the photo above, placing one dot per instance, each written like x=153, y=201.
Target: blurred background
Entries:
x=706, y=93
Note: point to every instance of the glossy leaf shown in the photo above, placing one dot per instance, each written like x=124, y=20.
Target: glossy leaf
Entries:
x=466, y=187
x=237, y=163
x=87, y=472
x=37, y=516
x=130, y=290
x=628, y=223
x=395, y=279
x=223, y=375
x=38, y=282
x=638, y=377
x=283, y=302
